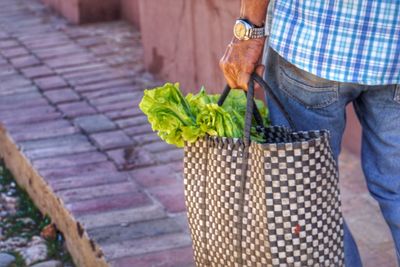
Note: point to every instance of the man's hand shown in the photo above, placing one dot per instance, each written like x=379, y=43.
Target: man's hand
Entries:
x=240, y=60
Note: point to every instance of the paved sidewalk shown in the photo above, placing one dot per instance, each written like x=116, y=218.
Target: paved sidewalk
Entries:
x=68, y=99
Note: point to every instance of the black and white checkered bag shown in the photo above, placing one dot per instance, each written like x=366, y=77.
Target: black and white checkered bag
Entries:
x=270, y=204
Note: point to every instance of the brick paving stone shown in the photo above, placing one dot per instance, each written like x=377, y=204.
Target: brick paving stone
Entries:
x=60, y=173
x=89, y=41
x=13, y=81
x=124, y=113
x=147, y=138
x=25, y=61
x=179, y=257
x=58, y=51
x=17, y=90
x=103, y=85
x=109, y=91
x=94, y=123
x=76, y=109
x=60, y=96
x=26, y=113
x=159, y=146
x=116, y=106
x=84, y=193
x=46, y=41
x=98, y=205
x=80, y=68
x=146, y=245
x=120, y=233
x=41, y=130
x=6, y=69
x=72, y=140
x=130, y=158
x=60, y=150
x=8, y=43
x=4, y=36
x=51, y=82
x=75, y=77
x=122, y=217
x=14, y=52
x=133, y=121
x=381, y=256
x=111, y=140
x=154, y=176
x=170, y=155
x=69, y=61
x=136, y=130
x=102, y=50
x=378, y=231
x=89, y=79
x=70, y=160
x=35, y=101
x=182, y=220
x=75, y=32
x=37, y=72
x=20, y=98
x=171, y=196
x=90, y=179
x=3, y=61
x=33, y=118
x=117, y=97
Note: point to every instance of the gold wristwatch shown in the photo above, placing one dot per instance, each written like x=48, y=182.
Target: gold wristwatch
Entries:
x=244, y=30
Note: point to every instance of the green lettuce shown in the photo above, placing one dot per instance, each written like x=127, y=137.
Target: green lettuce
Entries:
x=178, y=119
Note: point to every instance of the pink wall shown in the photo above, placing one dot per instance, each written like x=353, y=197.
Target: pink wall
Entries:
x=130, y=11
x=68, y=8
x=84, y=11
x=183, y=40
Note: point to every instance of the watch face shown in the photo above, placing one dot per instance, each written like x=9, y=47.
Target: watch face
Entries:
x=240, y=30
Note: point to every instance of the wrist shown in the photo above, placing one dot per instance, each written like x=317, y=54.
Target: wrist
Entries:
x=258, y=22
x=259, y=41
x=244, y=30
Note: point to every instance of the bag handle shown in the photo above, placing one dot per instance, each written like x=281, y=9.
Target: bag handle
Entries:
x=256, y=112
x=251, y=108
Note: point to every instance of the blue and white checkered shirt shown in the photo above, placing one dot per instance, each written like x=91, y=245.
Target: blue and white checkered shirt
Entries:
x=355, y=41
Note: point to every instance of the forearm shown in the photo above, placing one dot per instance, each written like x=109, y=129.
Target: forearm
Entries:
x=254, y=11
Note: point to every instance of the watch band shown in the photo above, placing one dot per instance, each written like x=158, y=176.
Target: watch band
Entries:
x=257, y=33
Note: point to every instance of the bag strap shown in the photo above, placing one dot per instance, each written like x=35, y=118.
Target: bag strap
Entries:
x=252, y=107
x=271, y=94
x=256, y=112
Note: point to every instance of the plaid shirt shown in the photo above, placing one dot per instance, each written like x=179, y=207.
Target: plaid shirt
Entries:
x=354, y=41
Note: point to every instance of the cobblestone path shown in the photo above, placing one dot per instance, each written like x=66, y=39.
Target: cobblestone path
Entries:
x=68, y=99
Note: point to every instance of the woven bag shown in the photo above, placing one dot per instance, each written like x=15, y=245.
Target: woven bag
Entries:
x=270, y=204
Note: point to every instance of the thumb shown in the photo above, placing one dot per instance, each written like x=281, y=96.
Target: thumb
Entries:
x=260, y=70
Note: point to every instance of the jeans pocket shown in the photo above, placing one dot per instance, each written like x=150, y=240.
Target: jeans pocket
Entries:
x=397, y=94
x=309, y=90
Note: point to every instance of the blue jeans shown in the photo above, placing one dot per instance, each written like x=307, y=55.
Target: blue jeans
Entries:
x=316, y=103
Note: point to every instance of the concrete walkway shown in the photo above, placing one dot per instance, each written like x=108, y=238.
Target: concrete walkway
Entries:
x=76, y=140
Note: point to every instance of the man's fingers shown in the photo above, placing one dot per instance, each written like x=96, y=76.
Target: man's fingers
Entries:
x=231, y=82
x=243, y=80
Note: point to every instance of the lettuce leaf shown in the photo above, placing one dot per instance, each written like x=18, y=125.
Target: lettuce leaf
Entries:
x=178, y=119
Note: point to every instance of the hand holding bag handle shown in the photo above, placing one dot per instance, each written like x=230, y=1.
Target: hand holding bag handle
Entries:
x=251, y=108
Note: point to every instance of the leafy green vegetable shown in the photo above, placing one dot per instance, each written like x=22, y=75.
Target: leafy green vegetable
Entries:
x=178, y=119
x=167, y=111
